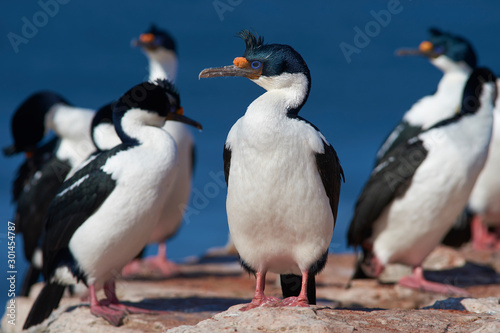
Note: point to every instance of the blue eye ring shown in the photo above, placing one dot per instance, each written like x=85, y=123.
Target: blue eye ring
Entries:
x=256, y=64
x=439, y=49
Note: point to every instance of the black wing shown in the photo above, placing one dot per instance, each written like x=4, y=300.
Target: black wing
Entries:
x=390, y=179
x=34, y=202
x=78, y=198
x=226, y=155
x=399, y=135
x=331, y=174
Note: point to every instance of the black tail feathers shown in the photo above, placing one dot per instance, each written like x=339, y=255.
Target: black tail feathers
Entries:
x=47, y=300
x=291, y=285
x=30, y=279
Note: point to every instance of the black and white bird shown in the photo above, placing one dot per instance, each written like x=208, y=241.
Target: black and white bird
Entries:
x=283, y=176
x=46, y=166
x=416, y=192
x=160, y=48
x=456, y=58
x=104, y=215
x=484, y=201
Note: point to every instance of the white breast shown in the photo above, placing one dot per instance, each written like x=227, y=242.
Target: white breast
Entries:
x=123, y=224
x=278, y=212
x=178, y=198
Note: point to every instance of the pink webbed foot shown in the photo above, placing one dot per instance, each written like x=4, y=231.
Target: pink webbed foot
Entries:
x=265, y=302
x=102, y=309
x=300, y=300
x=112, y=301
x=418, y=282
x=113, y=316
x=259, y=299
x=295, y=301
x=131, y=309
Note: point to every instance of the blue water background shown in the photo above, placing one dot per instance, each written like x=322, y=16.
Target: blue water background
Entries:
x=84, y=53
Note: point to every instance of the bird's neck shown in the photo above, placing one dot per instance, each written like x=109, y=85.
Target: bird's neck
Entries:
x=69, y=122
x=72, y=125
x=453, y=82
x=446, y=64
x=136, y=126
x=163, y=66
x=286, y=94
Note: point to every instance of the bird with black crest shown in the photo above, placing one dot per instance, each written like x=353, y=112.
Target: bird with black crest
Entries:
x=283, y=176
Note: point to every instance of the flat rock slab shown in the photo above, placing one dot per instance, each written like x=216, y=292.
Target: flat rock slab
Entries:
x=207, y=294
x=324, y=319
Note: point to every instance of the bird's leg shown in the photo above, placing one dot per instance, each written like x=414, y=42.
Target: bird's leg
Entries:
x=300, y=300
x=160, y=262
x=418, y=281
x=482, y=239
x=102, y=309
x=497, y=238
x=133, y=268
x=110, y=292
x=112, y=300
x=259, y=299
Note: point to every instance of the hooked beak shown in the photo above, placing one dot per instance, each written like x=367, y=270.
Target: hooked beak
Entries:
x=231, y=70
x=425, y=49
x=178, y=115
x=409, y=52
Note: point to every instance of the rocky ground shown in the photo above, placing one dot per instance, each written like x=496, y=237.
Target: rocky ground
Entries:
x=206, y=295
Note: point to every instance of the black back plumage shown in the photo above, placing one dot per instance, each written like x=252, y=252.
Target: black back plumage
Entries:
x=401, y=134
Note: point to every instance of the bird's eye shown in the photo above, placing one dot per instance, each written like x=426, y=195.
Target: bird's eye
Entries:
x=439, y=49
x=256, y=64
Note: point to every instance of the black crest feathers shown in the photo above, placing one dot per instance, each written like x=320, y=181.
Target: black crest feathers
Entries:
x=170, y=88
x=252, y=40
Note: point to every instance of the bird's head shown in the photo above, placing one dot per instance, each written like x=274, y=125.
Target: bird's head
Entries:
x=272, y=66
x=30, y=123
x=445, y=50
x=150, y=103
x=155, y=39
